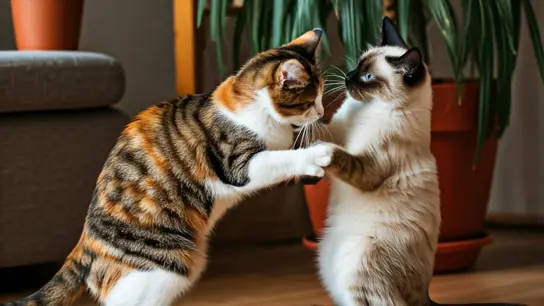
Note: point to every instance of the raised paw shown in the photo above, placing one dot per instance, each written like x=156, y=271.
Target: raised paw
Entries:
x=322, y=154
x=313, y=171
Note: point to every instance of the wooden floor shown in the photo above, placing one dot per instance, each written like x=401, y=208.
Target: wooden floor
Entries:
x=510, y=270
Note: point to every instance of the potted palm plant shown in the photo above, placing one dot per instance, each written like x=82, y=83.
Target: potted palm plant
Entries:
x=470, y=113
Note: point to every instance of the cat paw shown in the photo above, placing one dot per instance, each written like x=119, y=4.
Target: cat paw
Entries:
x=314, y=159
x=322, y=154
x=313, y=171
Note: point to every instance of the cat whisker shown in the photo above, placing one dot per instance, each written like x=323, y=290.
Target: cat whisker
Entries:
x=335, y=79
x=302, y=131
x=341, y=71
x=351, y=60
x=333, y=101
x=334, y=89
x=330, y=92
x=322, y=135
x=317, y=131
x=335, y=83
x=296, y=138
x=371, y=95
x=312, y=134
x=323, y=126
x=334, y=76
x=334, y=86
x=305, y=136
x=325, y=71
x=327, y=82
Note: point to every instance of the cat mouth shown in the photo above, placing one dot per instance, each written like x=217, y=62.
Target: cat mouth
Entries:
x=356, y=94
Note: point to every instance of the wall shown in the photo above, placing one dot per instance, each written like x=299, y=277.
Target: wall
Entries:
x=7, y=41
x=138, y=33
x=519, y=175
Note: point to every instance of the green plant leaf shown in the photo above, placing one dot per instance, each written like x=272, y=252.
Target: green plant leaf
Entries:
x=470, y=31
x=485, y=66
x=403, y=16
x=200, y=12
x=503, y=9
x=507, y=41
x=215, y=19
x=535, y=35
x=371, y=22
x=279, y=8
x=237, y=37
x=266, y=25
x=516, y=21
x=417, y=34
x=359, y=25
x=251, y=16
x=216, y=31
x=320, y=11
x=442, y=14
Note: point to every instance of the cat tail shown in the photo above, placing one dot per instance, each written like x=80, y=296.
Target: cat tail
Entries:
x=66, y=286
x=433, y=303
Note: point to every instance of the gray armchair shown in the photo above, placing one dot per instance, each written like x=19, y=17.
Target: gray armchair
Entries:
x=56, y=128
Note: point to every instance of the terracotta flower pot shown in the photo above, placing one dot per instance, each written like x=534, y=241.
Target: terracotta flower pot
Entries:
x=464, y=188
x=47, y=24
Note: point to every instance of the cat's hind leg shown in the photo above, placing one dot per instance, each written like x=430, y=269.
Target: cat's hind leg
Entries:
x=147, y=288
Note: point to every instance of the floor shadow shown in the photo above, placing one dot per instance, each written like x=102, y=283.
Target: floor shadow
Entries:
x=28, y=278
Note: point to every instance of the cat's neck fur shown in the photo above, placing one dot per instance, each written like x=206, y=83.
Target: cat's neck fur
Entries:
x=255, y=111
x=371, y=122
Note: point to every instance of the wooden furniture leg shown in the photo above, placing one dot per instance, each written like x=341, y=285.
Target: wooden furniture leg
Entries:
x=184, y=44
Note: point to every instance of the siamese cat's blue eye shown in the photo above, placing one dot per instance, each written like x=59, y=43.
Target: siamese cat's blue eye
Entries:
x=368, y=77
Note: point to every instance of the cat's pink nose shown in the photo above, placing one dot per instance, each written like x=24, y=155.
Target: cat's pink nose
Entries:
x=320, y=114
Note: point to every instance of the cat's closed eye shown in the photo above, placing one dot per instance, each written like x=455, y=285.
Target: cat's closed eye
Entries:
x=304, y=105
x=367, y=77
x=308, y=104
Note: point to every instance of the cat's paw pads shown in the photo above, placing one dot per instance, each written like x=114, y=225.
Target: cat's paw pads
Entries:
x=322, y=154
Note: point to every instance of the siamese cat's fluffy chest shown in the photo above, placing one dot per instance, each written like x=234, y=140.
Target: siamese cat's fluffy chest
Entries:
x=357, y=126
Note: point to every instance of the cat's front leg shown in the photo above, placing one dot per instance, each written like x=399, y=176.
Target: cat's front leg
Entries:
x=366, y=171
x=269, y=168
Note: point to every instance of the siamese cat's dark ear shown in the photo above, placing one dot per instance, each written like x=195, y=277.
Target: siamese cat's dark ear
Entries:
x=411, y=63
x=307, y=44
x=391, y=35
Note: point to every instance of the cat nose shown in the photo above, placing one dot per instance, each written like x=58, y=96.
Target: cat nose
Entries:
x=320, y=113
x=351, y=76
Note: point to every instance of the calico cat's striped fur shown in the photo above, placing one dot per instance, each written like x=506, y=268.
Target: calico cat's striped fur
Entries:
x=383, y=221
x=175, y=170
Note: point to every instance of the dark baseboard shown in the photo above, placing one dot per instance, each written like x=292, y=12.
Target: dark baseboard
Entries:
x=514, y=220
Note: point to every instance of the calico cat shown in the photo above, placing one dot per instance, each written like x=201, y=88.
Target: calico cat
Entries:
x=383, y=221
x=178, y=167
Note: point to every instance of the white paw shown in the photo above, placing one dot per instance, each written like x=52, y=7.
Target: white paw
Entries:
x=322, y=154
x=313, y=171
x=313, y=159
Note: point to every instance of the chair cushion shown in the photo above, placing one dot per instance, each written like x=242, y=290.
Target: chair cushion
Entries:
x=47, y=80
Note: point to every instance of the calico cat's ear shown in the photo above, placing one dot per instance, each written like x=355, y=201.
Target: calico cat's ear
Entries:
x=292, y=74
x=307, y=44
x=391, y=35
x=411, y=63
